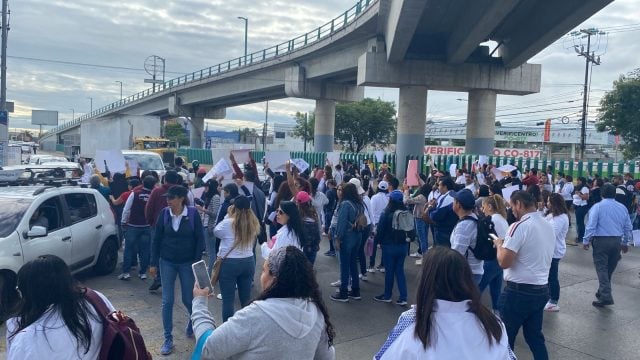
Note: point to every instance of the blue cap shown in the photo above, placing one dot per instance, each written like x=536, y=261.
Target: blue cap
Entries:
x=465, y=198
x=396, y=195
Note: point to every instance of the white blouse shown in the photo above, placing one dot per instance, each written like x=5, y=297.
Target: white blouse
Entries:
x=284, y=237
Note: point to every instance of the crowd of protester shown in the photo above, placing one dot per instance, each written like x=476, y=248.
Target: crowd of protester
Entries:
x=166, y=227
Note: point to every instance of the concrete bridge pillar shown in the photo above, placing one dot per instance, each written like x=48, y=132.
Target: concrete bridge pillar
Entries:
x=324, y=125
x=481, y=117
x=195, y=135
x=412, y=119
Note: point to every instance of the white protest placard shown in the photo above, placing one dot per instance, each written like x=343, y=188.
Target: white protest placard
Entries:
x=333, y=158
x=221, y=168
x=506, y=192
x=217, y=154
x=412, y=173
x=483, y=159
x=300, y=164
x=379, y=156
x=113, y=158
x=452, y=169
x=241, y=156
x=507, y=168
x=277, y=160
x=133, y=167
x=197, y=193
x=497, y=173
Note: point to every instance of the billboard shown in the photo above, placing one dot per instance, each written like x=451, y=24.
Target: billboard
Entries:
x=44, y=117
x=459, y=150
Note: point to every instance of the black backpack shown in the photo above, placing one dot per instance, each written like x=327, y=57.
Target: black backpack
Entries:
x=484, y=249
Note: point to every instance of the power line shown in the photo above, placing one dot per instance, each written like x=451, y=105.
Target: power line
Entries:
x=72, y=63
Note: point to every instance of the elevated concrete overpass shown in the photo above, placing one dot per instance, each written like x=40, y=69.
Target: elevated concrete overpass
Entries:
x=414, y=45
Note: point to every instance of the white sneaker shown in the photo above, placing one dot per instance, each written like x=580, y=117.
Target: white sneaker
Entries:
x=371, y=270
x=142, y=276
x=363, y=277
x=336, y=283
x=416, y=255
x=124, y=276
x=551, y=307
x=419, y=262
x=219, y=296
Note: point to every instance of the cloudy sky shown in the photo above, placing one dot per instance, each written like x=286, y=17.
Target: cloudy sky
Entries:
x=62, y=53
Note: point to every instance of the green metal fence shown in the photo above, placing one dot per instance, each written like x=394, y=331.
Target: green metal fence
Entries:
x=443, y=162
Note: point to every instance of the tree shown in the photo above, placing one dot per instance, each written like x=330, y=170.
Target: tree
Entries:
x=363, y=123
x=247, y=135
x=175, y=132
x=619, y=112
x=302, y=130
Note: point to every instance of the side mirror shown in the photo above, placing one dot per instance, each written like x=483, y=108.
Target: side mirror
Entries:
x=37, y=231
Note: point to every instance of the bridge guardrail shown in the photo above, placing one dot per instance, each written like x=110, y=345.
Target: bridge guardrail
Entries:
x=287, y=47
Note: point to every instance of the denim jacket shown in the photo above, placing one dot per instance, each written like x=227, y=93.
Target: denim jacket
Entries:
x=347, y=213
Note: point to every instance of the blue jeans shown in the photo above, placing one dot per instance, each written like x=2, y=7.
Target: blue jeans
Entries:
x=362, y=259
x=493, y=279
x=349, y=262
x=554, y=284
x=235, y=272
x=169, y=273
x=394, y=255
x=581, y=212
x=524, y=307
x=423, y=235
x=210, y=246
x=137, y=241
x=332, y=237
x=311, y=256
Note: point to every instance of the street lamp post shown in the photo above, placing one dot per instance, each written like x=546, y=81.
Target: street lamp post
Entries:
x=120, y=82
x=90, y=104
x=246, y=31
x=73, y=114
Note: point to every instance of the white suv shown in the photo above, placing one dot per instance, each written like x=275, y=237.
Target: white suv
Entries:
x=73, y=223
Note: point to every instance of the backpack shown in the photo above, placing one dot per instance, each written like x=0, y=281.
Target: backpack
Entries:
x=191, y=214
x=360, y=222
x=311, y=240
x=484, y=249
x=403, y=220
x=121, y=338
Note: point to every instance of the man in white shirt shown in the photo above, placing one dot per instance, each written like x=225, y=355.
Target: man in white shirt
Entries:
x=525, y=253
x=379, y=202
x=464, y=235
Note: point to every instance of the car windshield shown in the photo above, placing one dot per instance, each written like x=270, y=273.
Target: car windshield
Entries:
x=11, y=212
x=45, y=160
x=146, y=162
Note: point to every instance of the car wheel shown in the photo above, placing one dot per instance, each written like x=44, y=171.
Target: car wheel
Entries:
x=108, y=257
x=8, y=296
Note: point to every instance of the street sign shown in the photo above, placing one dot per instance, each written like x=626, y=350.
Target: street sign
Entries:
x=151, y=81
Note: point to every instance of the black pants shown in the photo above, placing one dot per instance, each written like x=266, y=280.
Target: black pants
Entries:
x=606, y=254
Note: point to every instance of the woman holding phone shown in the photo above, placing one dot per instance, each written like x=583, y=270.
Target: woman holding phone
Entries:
x=237, y=233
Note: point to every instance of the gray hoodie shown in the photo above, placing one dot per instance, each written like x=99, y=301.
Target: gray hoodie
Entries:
x=267, y=329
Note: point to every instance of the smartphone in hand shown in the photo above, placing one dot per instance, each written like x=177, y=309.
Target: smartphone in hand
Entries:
x=493, y=237
x=202, y=275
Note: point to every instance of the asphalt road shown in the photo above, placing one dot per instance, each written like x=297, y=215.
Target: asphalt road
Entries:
x=578, y=331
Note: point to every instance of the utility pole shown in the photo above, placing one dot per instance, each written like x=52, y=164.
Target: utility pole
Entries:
x=120, y=82
x=246, y=30
x=264, y=129
x=590, y=57
x=4, y=115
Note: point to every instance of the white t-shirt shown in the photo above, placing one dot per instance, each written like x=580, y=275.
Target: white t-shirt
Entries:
x=567, y=191
x=284, y=237
x=560, y=228
x=529, y=239
x=577, y=200
x=465, y=235
x=224, y=232
x=49, y=338
x=379, y=202
x=453, y=323
x=500, y=224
